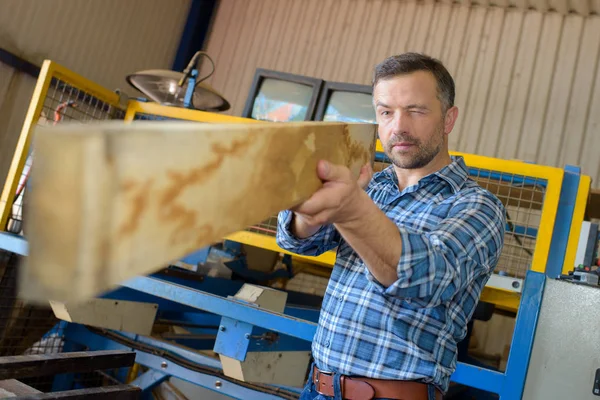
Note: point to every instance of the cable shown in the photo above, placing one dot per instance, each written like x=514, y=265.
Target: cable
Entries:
x=185, y=363
x=211, y=72
x=514, y=234
x=193, y=64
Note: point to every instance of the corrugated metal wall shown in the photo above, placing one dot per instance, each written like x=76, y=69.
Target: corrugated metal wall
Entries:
x=528, y=84
x=103, y=40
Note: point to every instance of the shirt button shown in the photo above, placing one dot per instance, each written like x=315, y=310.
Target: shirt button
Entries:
x=327, y=343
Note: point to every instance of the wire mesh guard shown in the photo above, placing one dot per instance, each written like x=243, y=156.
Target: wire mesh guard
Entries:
x=32, y=329
x=63, y=102
x=522, y=197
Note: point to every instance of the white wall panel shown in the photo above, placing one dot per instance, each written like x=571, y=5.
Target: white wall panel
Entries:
x=103, y=40
x=527, y=82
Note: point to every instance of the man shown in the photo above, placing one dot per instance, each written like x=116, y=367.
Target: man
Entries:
x=416, y=244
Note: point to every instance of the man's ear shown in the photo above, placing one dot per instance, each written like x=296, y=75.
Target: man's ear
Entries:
x=450, y=120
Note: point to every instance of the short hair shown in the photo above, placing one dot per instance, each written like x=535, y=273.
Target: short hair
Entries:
x=407, y=63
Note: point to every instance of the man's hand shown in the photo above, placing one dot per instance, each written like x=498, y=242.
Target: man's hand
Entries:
x=343, y=202
x=338, y=201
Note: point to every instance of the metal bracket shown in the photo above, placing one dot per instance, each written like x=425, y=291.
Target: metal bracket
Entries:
x=233, y=338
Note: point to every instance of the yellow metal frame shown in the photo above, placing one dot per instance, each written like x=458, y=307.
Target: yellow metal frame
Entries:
x=138, y=107
x=48, y=71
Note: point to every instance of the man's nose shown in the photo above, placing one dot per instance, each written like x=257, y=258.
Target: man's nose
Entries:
x=400, y=122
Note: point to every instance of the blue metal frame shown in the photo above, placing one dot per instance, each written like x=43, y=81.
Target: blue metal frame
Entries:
x=510, y=384
x=13, y=243
x=18, y=63
x=195, y=31
x=230, y=308
x=562, y=224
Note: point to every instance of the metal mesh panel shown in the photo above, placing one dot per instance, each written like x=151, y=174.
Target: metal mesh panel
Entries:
x=523, y=198
x=63, y=102
x=267, y=227
x=24, y=329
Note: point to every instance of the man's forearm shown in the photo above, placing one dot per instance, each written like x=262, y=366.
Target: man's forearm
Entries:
x=375, y=238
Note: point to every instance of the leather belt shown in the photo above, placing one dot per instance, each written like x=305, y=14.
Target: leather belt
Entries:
x=357, y=388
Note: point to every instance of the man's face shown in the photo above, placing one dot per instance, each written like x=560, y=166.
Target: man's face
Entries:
x=412, y=124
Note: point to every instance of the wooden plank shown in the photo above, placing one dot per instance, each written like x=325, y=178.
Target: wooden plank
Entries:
x=17, y=367
x=128, y=199
x=116, y=392
x=127, y=316
x=16, y=388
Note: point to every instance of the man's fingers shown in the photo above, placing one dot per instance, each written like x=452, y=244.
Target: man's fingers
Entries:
x=331, y=172
x=366, y=174
x=321, y=200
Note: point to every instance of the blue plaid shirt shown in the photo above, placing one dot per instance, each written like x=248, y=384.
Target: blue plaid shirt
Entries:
x=452, y=234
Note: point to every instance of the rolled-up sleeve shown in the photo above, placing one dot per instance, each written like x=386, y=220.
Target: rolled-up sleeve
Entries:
x=437, y=264
x=325, y=239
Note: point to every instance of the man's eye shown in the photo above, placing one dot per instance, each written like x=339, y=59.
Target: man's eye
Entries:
x=385, y=113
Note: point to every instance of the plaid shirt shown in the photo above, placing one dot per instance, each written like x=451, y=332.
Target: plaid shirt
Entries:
x=452, y=234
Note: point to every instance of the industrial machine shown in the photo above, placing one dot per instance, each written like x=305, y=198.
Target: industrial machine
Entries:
x=213, y=320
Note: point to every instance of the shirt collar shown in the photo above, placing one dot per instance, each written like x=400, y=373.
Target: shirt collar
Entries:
x=455, y=174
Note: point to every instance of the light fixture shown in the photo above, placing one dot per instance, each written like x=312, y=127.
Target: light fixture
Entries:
x=180, y=89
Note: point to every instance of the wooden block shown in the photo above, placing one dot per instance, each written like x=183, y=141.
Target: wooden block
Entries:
x=285, y=368
x=110, y=201
x=126, y=316
x=14, y=388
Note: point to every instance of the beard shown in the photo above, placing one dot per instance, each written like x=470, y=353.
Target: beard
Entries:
x=419, y=154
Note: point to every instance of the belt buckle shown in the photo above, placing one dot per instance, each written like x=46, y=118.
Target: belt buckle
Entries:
x=317, y=373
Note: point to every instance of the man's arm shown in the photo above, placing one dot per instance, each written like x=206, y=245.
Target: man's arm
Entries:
x=431, y=266
x=375, y=238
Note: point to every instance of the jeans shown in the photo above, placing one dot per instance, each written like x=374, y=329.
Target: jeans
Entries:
x=310, y=393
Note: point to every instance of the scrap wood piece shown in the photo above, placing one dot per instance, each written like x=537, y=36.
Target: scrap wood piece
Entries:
x=14, y=388
x=110, y=201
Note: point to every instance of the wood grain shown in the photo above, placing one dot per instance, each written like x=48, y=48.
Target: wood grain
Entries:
x=110, y=201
